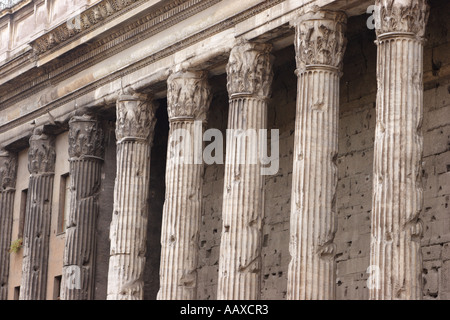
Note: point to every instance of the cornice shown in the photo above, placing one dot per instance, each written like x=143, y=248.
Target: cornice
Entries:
x=87, y=21
x=86, y=56
x=114, y=46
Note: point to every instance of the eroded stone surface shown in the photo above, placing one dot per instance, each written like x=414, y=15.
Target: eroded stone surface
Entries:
x=250, y=74
x=320, y=45
x=189, y=96
x=128, y=230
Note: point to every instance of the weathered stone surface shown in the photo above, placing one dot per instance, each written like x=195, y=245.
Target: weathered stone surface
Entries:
x=188, y=99
x=85, y=152
x=312, y=269
x=48, y=72
x=41, y=165
x=320, y=38
x=396, y=227
x=134, y=132
x=250, y=76
x=8, y=168
x=409, y=16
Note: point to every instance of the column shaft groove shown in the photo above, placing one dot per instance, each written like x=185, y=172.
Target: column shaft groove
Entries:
x=188, y=97
x=41, y=165
x=396, y=228
x=250, y=75
x=128, y=232
x=85, y=151
x=8, y=169
x=320, y=46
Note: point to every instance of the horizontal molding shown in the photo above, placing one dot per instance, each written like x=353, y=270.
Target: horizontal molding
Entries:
x=87, y=61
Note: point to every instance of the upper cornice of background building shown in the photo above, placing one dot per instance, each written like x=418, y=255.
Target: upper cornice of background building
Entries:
x=8, y=4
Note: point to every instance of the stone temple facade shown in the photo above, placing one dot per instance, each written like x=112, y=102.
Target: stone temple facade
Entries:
x=113, y=184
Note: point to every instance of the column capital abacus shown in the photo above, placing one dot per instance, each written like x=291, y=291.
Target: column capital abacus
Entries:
x=401, y=17
x=8, y=170
x=249, y=70
x=188, y=95
x=135, y=117
x=320, y=39
x=85, y=138
x=42, y=153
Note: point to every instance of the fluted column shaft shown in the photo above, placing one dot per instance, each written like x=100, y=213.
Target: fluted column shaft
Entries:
x=86, y=153
x=128, y=232
x=41, y=165
x=320, y=45
x=250, y=75
x=396, y=228
x=8, y=169
x=188, y=99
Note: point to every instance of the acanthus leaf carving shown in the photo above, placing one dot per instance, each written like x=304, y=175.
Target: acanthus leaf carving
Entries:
x=320, y=38
x=249, y=70
x=135, y=117
x=188, y=95
x=41, y=153
x=85, y=137
x=8, y=170
x=409, y=16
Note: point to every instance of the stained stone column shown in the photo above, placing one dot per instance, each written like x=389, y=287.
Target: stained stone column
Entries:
x=86, y=158
x=396, y=228
x=134, y=132
x=320, y=45
x=8, y=171
x=249, y=72
x=41, y=165
x=188, y=99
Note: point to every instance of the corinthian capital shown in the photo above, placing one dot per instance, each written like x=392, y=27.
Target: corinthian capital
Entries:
x=85, y=137
x=188, y=95
x=135, y=117
x=41, y=154
x=320, y=38
x=8, y=169
x=249, y=70
x=409, y=16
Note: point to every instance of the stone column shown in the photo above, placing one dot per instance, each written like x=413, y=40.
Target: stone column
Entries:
x=86, y=158
x=249, y=72
x=128, y=232
x=188, y=99
x=320, y=45
x=8, y=171
x=396, y=229
x=41, y=165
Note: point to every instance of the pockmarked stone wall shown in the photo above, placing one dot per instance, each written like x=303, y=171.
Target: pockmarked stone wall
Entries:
x=355, y=161
x=357, y=117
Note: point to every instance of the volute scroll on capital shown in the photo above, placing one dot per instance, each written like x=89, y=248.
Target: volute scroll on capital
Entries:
x=85, y=137
x=249, y=70
x=135, y=117
x=320, y=38
x=8, y=170
x=188, y=95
